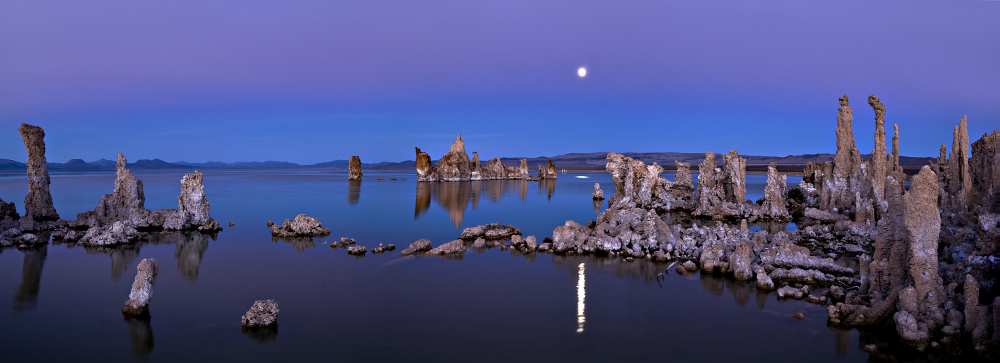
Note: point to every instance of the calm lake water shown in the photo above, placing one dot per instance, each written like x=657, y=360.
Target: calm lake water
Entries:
x=62, y=303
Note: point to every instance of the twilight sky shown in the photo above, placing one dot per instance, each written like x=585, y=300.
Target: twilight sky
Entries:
x=317, y=80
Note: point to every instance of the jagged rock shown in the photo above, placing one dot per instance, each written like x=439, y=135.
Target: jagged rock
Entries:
x=418, y=246
x=784, y=254
x=38, y=202
x=547, y=171
x=456, y=247
x=425, y=170
x=262, y=314
x=475, y=169
x=126, y=202
x=986, y=172
x=801, y=276
x=454, y=165
x=479, y=243
x=302, y=225
x=142, y=288
x=494, y=170
x=569, y=237
x=490, y=231
x=713, y=258
x=354, y=168
x=958, y=178
x=116, y=233
x=639, y=185
x=896, y=167
x=598, y=193
x=192, y=211
x=774, y=195
x=741, y=262
x=879, y=158
x=721, y=190
x=522, y=170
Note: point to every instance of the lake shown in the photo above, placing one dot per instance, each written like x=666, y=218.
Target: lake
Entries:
x=63, y=302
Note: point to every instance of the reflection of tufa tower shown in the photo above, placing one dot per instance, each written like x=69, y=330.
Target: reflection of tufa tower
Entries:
x=581, y=297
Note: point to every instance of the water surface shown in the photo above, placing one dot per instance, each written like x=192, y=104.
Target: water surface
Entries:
x=63, y=302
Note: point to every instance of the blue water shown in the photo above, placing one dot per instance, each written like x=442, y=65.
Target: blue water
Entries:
x=63, y=302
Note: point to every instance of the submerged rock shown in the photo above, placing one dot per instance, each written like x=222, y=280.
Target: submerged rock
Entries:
x=302, y=225
x=456, y=247
x=418, y=246
x=142, y=289
x=354, y=168
x=262, y=314
x=38, y=202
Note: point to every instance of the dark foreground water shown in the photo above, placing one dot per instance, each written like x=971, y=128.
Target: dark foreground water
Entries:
x=63, y=303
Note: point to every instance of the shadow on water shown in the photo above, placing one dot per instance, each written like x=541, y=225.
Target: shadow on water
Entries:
x=31, y=278
x=456, y=197
x=262, y=335
x=190, y=250
x=140, y=332
x=353, y=191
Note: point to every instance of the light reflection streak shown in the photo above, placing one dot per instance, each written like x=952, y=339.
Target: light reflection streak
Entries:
x=581, y=297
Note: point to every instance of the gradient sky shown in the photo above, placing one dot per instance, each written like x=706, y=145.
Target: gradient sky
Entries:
x=311, y=81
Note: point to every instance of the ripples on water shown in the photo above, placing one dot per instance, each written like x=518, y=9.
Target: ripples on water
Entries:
x=492, y=305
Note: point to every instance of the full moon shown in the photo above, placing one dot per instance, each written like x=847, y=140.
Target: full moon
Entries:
x=581, y=72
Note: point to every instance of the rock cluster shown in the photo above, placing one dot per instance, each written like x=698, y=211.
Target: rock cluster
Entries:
x=453, y=248
x=262, y=314
x=547, y=171
x=354, y=168
x=142, y=289
x=303, y=225
x=418, y=246
x=121, y=216
x=455, y=165
x=774, y=207
x=640, y=185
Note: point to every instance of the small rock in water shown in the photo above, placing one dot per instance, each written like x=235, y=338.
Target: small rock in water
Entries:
x=418, y=246
x=598, y=193
x=142, y=289
x=788, y=292
x=302, y=225
x=263, y=314
x=356, y=250
x=479, y=243
x=381, y=248
x=690, y=266
x=799, y=316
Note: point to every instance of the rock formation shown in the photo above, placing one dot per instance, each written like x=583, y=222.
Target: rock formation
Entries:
x=491, y=231
x=8, y=215
x=774, y=195
x=721, y=190
x=38, y=202
x=879, y=158
x=192, y=211
x=547, y=171
x=262, y=314
x=985, y=169
x=640, y=185
x=126, y=202
x=142, y=289
x=897, y=167
x=598, y=193
x=302, y=225
x=425, y=171
x=959, y=176
x=354, y=168
x=454, y=165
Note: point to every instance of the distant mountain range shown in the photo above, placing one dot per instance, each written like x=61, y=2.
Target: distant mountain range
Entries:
x=571, y=161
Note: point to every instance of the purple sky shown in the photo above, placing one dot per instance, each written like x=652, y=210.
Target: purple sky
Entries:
x=311, y=81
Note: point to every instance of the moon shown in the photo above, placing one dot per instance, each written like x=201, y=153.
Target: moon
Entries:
x=581, y=72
